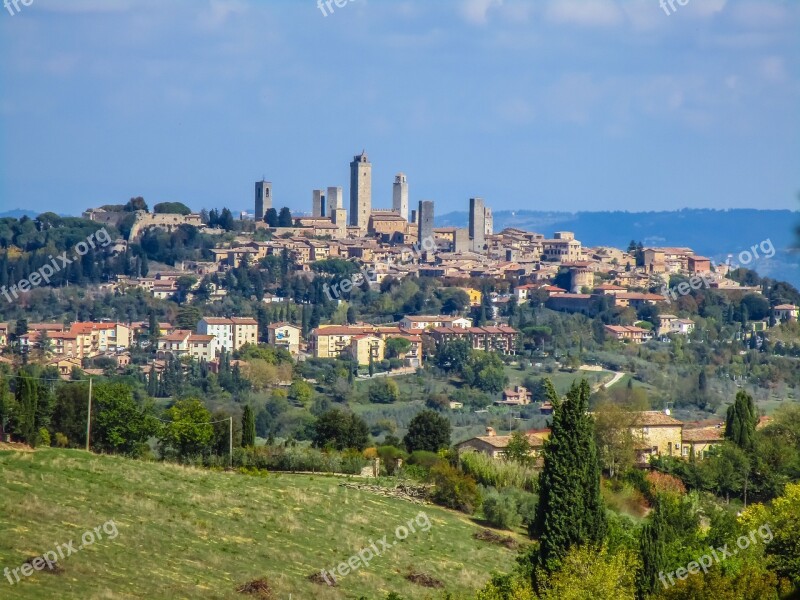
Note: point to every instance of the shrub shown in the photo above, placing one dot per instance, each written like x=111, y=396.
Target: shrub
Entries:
x=44, y=437
x=500, y=510
x=61, y=440
x=499, y=474
x=454, y=489
x=662, y=483
x=424, y=459
x=389, y=456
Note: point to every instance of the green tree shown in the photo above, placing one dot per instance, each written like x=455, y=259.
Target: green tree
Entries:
x=518, y=448
x=570, y=510
x=25, y=405
x=188, y=432
x=652, y=549
x=248, y=427
x=271, y=217
x=453, y=355
x=119, y=424
x=188, y=317
x=429, y=431
x=301, y=392
x=741, y=421
x=339, y=429
x=396, y=347
x=383, y=391
x=285, y=217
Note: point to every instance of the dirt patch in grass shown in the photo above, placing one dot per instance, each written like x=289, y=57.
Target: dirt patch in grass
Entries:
x=318, y=578
x=52, y=568
x=258, y=587
x=487, y=535
x=424, y=579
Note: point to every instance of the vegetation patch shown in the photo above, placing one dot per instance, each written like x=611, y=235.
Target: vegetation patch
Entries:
x=258, y=587
x=487, y=535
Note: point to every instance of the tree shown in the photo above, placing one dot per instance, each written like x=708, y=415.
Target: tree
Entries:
x=741, y=421
x=383, y=391
x=172, y=208
x=300, y=392
x=652, y=548
x=453, y=355
x=271, y=217
x=591, y=573
x=135, y=204
x=518, y=448
x=189, y=432
x=24, y=412
x=340, y=430
x=613, y=432
x=429, y=431
x=570, y=510
x=396, y=347
x=119, y=424
x=188, y=317
x=248, y=427
x=285, y=217
x=69, y=412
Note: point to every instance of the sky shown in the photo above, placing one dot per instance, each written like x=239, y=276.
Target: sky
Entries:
x=565, y=105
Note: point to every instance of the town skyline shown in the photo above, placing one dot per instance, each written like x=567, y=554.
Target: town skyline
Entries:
x=695, y=109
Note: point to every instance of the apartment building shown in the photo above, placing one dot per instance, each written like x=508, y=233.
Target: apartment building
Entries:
x=231, y=333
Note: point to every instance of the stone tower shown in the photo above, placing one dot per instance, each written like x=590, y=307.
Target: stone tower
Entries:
x=335, y=200
x=263, y=198
x=360, y=191
x=477, y=224
x=425, y=216
x=400, y=195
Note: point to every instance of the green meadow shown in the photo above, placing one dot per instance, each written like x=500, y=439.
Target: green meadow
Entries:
x=190, y=533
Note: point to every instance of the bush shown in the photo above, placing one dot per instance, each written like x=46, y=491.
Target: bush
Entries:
x=499, y=474
x=454, y=489
x=389, y=456
x=274, y=458
x=44, y=437
x=424, y=459
x=500, y=510
x=61, y=440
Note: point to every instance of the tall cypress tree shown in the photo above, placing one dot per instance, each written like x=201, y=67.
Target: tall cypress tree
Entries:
x=740, y=424
x=651, y=548
x=570, y=510
x=248, y=427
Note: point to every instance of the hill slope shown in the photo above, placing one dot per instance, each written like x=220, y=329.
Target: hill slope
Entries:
x=187, y=533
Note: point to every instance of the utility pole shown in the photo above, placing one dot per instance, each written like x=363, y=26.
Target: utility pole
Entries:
x=230, y=443
x=89, y=416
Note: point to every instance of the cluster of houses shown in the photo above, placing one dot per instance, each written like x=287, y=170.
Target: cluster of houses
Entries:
x=656, y=433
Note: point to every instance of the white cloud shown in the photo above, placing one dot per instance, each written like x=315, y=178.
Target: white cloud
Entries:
x=586, y=13
x=773, y=69
x=476, y=11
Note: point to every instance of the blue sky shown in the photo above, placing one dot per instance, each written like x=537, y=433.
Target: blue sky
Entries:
x=563, y=104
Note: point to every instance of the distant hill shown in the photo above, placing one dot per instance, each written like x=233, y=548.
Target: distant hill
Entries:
x=18, y=213
x=712, y=233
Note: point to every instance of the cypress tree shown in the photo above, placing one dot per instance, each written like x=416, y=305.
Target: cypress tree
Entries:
x=740, y=424
x=570, y=510
x=651, y=548
x=248, y=427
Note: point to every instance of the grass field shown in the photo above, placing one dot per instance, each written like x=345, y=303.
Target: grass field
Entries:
x=187, y=533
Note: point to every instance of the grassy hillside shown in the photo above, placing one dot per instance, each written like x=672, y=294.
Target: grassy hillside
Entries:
x=186, y=533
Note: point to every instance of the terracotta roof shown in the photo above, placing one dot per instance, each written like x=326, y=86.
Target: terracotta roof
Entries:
x=654, y=418
x=703, y=434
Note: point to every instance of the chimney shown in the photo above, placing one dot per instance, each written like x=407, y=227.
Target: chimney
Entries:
x=490, y=432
